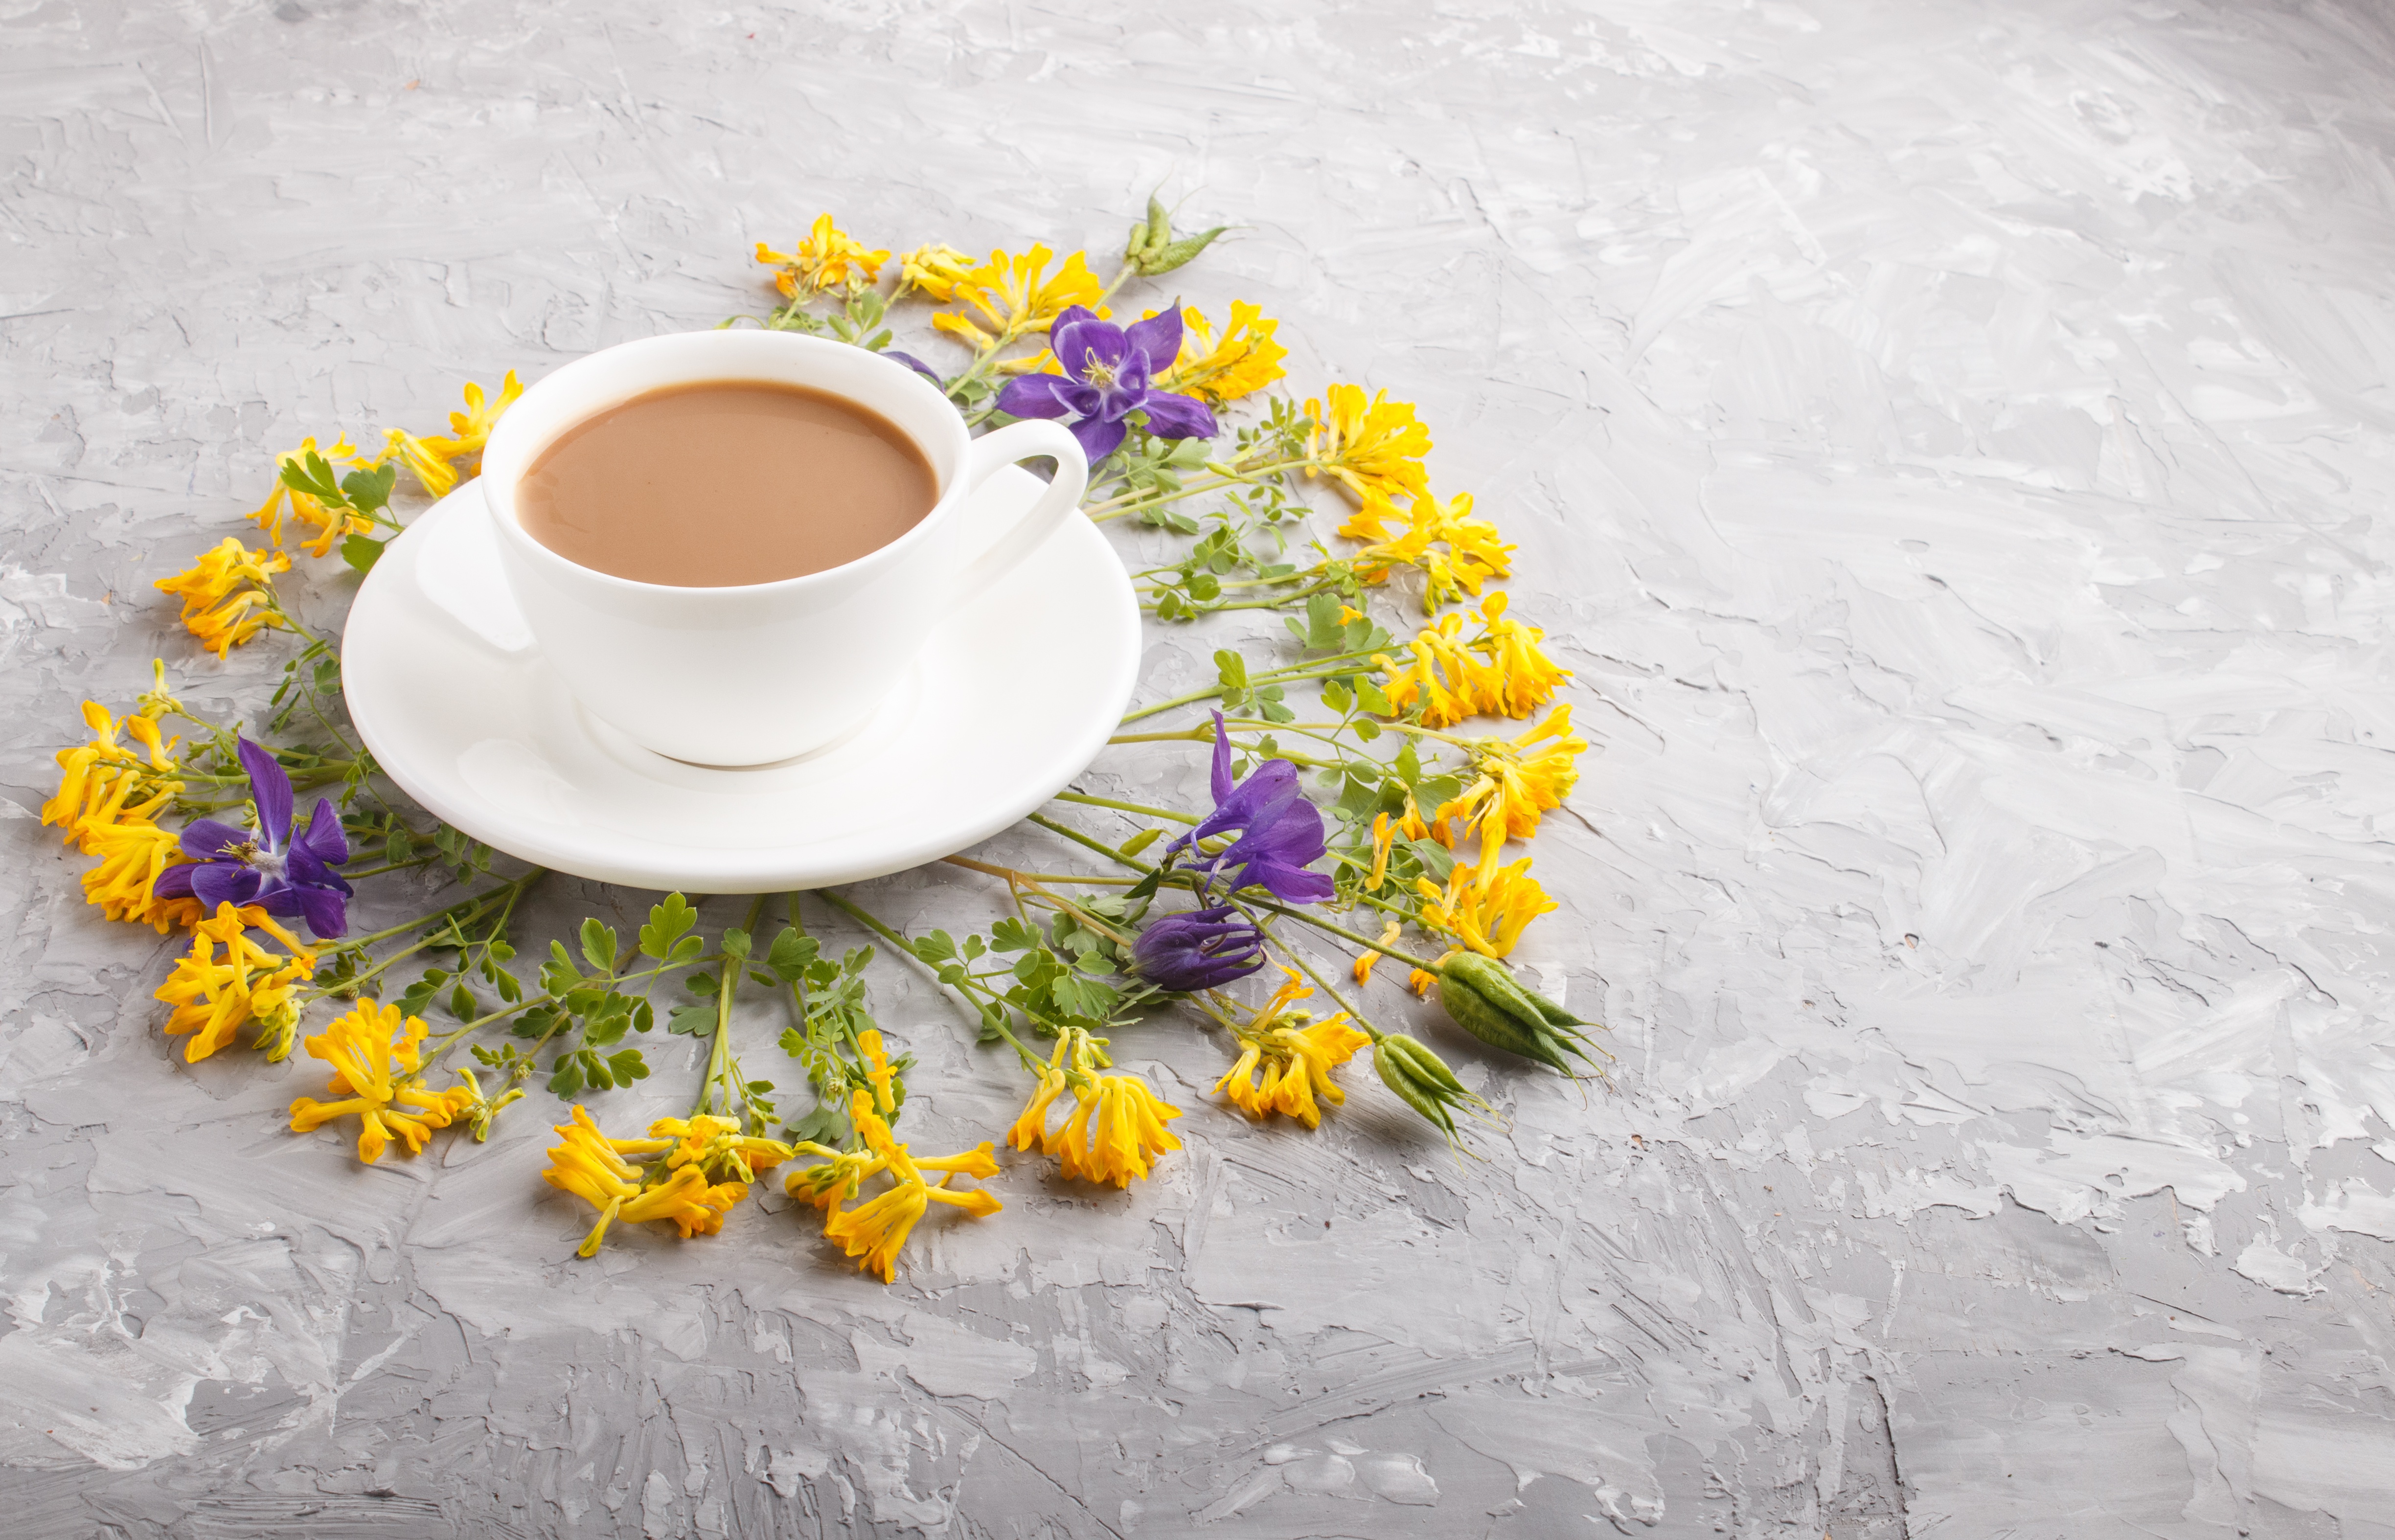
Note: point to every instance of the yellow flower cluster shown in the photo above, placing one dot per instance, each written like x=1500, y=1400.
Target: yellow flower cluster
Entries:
x=226, y=980
x=875, y=1230
x=433, y=460
x=229, y=594
x=706, y=1169
x=1372, y=447
x=1455, y=552
x=1115, y=1132
x=1502, y=671
x=828, y=257
x=1515, y=780
x=108, y=799
x=1486, y=912
x=1242, y=360
x=1295, y=1058
x=1015, y=295
x=375, y=1056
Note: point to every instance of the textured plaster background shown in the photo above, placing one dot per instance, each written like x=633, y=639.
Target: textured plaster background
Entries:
x=1950, y=441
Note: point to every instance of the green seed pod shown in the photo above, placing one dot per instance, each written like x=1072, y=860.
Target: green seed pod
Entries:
x=1492, y=1005
x=1421, y=1081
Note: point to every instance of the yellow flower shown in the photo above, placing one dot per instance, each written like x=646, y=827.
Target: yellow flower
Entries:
x=716, y=1146
x=1471, y=553
x=936, y=269
x=1115, y=1129
x=1487, y=913
x=216, y=607
x=1501, y=671
x=330, y=523
x=874, y=1231
x=1420, y=980
x=869, y=1043
x=376, y=1055
x=132, y=851
x=1296, y=1058
x=1241, y=361
x=473, y=1108
x=1384, y=837
x=592, y=1167
x=1370, y=447
x=1515, y=781
x=425, y=459
x=1370, y=960
x=98, y=779
x=1015, y=295
x=227, y=979
x=470, y=429
x=827, y=257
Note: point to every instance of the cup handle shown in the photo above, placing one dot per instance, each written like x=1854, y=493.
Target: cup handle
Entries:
x=1025, y=441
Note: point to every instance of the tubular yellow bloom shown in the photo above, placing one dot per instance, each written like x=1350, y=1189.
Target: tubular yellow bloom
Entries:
x=1296, y=1058
x=1516, y=780
x=374, y=1054
x=1370, y=960
x=132, y=851
x=1115, y=1129
x=1371, y=447
x=475, y=1109
x=875, y=1230
x=227, y=979
x=425, y=459
x=827, y=257
x=1519, y=678
x=329, y=523
x=1241, y=361
x=98, y=779
x=1015, y=294
x=592, y=1167
x=936, y=269
x=1384, y=837
x=879, y=1072
x=218, y=608
x=1501, y=671
x=1455, y=552
x=716, y=1146
x=470, y=429
x=1486, y=912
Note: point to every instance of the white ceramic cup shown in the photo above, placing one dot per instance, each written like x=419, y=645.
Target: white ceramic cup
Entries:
x=768, y=671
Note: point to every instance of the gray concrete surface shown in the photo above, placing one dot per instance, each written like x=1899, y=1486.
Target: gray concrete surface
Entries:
x=1951, y=440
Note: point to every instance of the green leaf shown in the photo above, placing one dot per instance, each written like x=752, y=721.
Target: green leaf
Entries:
x=368, y=491
x=668, y=921
x=598, y=945
x=692, y=1021
x=1324, y=630
x=1437, y=860
x=360, y=552
x=566, y=1079
x=1336, y=696
x=1233, y=670
x=461, y=1004
x=736, y=942
x=629, y=1066
x=1139, y=841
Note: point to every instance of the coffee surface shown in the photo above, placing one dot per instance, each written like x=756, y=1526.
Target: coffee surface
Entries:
x=722, y=483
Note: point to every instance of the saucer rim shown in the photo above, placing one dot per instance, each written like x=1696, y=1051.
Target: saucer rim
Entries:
x=658, y=865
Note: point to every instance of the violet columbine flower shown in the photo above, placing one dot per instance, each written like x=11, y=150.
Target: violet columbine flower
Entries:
x=1106, y=373
x=282, y=876
x=1280, y=834
x=1200, y=949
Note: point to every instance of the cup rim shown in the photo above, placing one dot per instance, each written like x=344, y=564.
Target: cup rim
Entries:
x=526, y=543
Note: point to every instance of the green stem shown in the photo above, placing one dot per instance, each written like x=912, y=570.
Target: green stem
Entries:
x=518, y=886
x=1332, y=989
x=1030, y=1060
x=1078, y=837
x=1123, y=806
x=1319, y=669
x=720, y=1063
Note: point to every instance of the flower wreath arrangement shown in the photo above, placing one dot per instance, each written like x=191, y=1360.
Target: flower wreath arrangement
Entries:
x=1406, y=828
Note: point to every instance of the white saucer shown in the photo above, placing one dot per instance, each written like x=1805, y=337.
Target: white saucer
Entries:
x=1013, y=698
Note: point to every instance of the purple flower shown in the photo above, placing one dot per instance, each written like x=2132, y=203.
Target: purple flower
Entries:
x=911, y=362
x=1280, y=834
x=282, y=876
x=1201, y=949
x=1106, y=373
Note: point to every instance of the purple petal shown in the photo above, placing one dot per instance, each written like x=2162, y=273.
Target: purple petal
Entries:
x=306, y=871
x=217, y=882
x=324, y=838
x=1158, y=339
x=205, y=840
x=1099, y=438
x=271, y=790
x=1290, y=884
x=1071, y=315
x=1086, y=342
x=327, y=912
x=1042, y=396
x=174, y=882
x=1172, y=416
x=1222, y=760
x=911, y=362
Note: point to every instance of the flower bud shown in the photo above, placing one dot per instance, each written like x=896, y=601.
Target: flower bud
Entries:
x=1423, y=1081
x=1492, y=1005
x=1201, y=949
